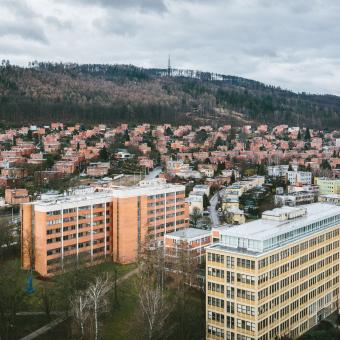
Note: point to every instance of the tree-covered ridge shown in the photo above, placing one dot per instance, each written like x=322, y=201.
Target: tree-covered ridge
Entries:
x=112, y=93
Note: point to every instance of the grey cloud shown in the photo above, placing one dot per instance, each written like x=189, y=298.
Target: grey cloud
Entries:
x=19, y=7
x=60, y=24
x=23, y=31
x=159, y=6
x=144, y=5
x=117, y=25
x=292, y=43
x=26, y=24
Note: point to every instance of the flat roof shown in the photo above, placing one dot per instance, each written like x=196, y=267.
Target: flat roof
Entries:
x=263, y=229
x=223, y=227
x=335, y=196
x=279, y=211
x=243, y=251
x=189, y=233
x=91, y=196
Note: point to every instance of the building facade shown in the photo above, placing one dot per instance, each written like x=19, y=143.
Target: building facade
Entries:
x=191, y=240
x=16, y=196
x=111, y=223
x=299, y=177
x=275, y=276
x=328, y=186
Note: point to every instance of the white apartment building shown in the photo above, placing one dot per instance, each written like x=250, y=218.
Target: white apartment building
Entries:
x=279, y=170
x=299, y=177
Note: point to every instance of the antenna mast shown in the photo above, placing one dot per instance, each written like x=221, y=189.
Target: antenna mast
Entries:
x=169, y=67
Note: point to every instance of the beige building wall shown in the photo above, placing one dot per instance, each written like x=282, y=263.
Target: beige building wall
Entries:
x=285, y=291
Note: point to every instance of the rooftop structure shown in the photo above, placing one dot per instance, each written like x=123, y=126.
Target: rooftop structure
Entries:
x=189, y=233
x=92, y=194
x=283, y=226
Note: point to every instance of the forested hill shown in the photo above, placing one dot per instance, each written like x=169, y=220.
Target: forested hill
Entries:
x=46, y=92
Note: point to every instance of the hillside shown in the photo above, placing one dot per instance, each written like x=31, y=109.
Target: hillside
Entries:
x=115, y=93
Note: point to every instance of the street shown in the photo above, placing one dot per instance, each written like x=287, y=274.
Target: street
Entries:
x=212, y=208
x=154, y=173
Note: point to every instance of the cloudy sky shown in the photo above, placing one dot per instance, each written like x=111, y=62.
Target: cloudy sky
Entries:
x=292, y=43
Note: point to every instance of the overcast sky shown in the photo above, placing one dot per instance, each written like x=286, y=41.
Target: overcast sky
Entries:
x=294, y=44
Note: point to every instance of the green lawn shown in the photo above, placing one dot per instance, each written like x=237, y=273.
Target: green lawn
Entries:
x=120, y=323
x=26, y=325
x=117, y=325
x=33, y=303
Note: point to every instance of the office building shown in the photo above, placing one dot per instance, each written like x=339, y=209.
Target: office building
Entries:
x=275, y=276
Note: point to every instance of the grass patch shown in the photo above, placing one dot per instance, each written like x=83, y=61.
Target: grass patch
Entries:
x=26, y=325
x=117, y=325
x=60, y=332
x=33, y=302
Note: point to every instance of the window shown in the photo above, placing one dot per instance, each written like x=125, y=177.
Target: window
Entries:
x=216, y=272
x=215, y=331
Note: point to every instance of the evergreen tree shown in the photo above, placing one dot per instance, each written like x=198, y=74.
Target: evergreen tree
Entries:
x=325, y=165
x=261, y=169
x=168, y=131
x=126, y=136
x=201, y=136
x=220, y=167
x=233, y=177
x=29, y=134
x=299, y=135
x=307, y=135
x=219, y=142
x=103, y=154
x=206, y=202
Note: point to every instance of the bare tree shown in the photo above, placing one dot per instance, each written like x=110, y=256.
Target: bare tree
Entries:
x=80, y=311
x=6, y=240
x=97, y=294
x=155, y=310
x=47, y=296
x=186, y=276
x=154, y=304
x=151, y=263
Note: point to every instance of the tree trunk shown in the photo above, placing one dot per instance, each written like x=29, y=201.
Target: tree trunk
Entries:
x=95, y=320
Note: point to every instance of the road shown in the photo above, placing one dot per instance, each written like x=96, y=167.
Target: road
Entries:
x=212, y=209
x=154, y=173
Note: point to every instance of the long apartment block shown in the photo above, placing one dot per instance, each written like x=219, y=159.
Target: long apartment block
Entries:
x=109, y=223
x=275, y=276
